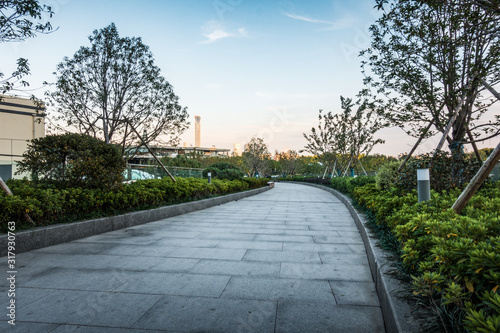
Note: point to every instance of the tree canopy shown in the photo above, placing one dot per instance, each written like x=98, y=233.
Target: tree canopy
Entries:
x=425, y=66
x=20, y=20
x=112, y=82
x=343, y=137
x=256, y=157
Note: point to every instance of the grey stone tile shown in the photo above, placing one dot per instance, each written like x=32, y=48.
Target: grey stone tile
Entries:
x=284, y=238
x=227, y=236
x=310, y=316
x=314, y=247
x=26, y=327
x=99, y=329
x=89, y=308
x=312, y=233
x=355, y=293
x=25, y=296
x=209, y=253
x=77, y=248
x=343, y=258
x=326, y=272
x=259, y=231
x=282, y=256
x=152, y=250
x=80, y=279
x=251, y=245
x=244, y=268
x=357, y=248
x=277, y=289
x=92, y=261
x=120, y=239
x=192, y=314
x=174, y=265
x=337, y=240
x=178, y=242
x=176, y=284
x=284, y=227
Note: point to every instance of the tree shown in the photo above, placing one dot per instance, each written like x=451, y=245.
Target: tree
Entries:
x=425, y=66
x=288, y=161
x=20, y=20
x=73, y=160
x=344, y=137
x=256, y=157
x=112, y=82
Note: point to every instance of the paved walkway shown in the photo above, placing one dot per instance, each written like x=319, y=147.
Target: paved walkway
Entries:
x=288, y=260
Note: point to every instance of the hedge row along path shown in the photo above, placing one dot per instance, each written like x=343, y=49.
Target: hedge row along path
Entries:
x=288, y=260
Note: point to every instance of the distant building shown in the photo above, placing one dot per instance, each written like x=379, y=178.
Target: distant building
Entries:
x=237, y=149
x=143, y=156
x=21, y=120
x=197, y=131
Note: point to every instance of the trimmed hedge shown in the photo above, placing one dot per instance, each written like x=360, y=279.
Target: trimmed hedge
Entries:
x=454, y=260
x=51, y=205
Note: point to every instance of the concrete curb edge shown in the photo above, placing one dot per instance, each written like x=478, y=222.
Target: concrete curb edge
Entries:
x=61, y=233
x=396, y=312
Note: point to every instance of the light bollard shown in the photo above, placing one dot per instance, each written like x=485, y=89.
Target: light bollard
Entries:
x=424, y=185
x=209, y=175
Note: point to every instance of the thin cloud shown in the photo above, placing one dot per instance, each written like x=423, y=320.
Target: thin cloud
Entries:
x=215, y=36
x=333, y=25
x=307, y=19
x=214, y=31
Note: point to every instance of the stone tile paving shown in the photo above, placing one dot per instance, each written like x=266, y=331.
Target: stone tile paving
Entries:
x=287, y=260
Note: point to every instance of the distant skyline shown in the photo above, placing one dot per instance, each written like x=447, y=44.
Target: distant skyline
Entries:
x=247, y=68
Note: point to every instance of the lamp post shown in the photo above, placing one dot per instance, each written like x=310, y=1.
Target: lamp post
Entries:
x=424, y=185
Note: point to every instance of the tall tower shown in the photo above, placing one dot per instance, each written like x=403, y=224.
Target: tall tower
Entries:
x=197, y=130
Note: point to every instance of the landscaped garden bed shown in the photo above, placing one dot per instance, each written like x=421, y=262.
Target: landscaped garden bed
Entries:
x=47, y=204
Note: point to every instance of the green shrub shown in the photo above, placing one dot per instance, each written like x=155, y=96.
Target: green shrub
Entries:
x=223, y=170
x=348, y=184
x=53, y=205
x=73, y=160
x=387, y=175
x=454, y=259
x=440, y=173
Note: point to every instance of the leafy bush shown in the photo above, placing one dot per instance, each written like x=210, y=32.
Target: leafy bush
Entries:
x=348, y=184
x=223, y=170
x=387, y=175
x=440, y=172
x=52, y=205
x=73, y=160
x=454, y=259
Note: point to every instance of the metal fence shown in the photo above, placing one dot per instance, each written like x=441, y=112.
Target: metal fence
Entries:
x=141, y=171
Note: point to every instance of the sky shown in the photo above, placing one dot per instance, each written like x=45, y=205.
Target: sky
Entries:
x=246, y=67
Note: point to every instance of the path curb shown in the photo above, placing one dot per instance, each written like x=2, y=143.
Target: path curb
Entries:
x=396, y=311
x=61, y=233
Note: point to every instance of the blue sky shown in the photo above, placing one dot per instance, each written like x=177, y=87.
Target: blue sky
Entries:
x=246, y=67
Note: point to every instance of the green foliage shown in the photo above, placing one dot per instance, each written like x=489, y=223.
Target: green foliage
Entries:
x=116, y=78
x=20, y=20
x=73, y=160
x=441, y=171
x=51, y=205
x=348, y=184
x=387, y=175
x=224, y=170
x=181, y=161
x=454, y=259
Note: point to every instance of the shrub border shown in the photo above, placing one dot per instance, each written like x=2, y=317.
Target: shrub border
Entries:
x=396, y=311
x=61, y=233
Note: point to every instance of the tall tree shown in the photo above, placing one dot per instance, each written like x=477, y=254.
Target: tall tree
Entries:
x=343, y=137
x=113, y=82
x=20, y=20
x=425, y=65
x=256, y=157
x=289, y=161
